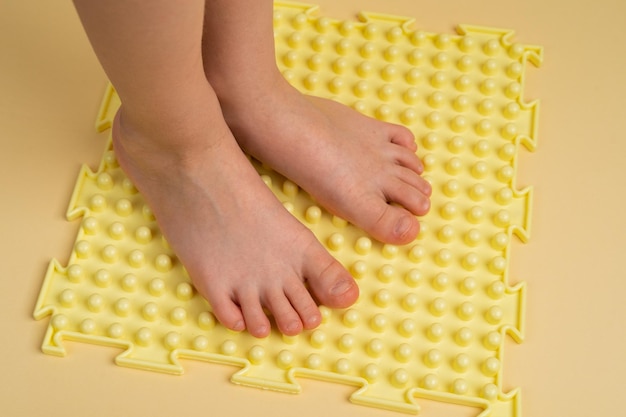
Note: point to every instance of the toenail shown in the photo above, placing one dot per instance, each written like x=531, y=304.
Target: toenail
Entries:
x=261, y=332
x=341, y=287
x=403, y=226
x=428, y=189
x=292, y=327
x=312, y=322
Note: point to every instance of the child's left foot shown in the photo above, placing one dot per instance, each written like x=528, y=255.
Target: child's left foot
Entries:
x=353, y=165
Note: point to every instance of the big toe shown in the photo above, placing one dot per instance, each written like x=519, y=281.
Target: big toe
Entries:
x=329, y=281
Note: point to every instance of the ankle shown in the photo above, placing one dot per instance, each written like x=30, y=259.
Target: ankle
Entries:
x=178, y=130
x=153, y=149
x=246, y=87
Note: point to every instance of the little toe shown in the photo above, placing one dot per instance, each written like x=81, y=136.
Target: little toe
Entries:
x=329, y=281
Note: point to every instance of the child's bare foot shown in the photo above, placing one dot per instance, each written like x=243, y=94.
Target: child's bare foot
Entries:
x=353, y=165
x=243, y=250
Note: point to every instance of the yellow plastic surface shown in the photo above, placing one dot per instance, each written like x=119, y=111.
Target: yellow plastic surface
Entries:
x=432, y=315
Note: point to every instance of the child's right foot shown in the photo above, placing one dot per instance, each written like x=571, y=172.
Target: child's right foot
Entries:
x=242, y=249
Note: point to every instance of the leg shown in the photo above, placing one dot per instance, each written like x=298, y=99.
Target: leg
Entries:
x=171, y=139
x=365, y=165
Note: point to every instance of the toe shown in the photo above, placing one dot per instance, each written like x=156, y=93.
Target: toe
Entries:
x=227, y=312
x=257, y=323
x=407, y=159
x=395, y=225
x=303, y=303
x=329, y=281
x=402, y=136
x=287, y=319
x=408, y=196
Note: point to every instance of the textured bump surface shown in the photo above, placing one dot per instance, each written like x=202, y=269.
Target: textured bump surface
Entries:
x=432, y=314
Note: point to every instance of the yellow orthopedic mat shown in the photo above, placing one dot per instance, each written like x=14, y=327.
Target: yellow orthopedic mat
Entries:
x=432, y=315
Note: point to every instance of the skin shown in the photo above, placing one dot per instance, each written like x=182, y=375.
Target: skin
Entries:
x=288, y=130
x=191, y=103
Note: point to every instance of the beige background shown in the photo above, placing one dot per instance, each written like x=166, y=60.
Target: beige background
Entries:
x=573, y=361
